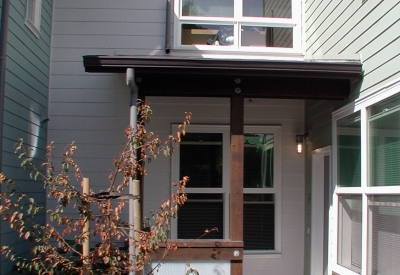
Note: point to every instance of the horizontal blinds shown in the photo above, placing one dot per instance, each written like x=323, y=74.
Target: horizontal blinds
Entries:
x=199, y=213
x=259, y=225
x=385, y=234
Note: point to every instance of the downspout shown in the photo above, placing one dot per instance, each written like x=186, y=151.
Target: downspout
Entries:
x=5, y=11
x=168, y=28
x=130, y=82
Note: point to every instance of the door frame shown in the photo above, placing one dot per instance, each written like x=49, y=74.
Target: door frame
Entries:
x=319, y=209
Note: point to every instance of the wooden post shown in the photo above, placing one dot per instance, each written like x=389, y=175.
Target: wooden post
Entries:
x=86, y=241
x=236, y=186
x=137, y=218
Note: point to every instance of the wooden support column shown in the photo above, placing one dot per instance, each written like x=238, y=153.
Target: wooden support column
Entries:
x=236, y=198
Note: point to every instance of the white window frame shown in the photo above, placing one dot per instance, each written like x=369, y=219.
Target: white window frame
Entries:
x=225, y=190
x=362, y=104
x=295, y=22
x=33, y=16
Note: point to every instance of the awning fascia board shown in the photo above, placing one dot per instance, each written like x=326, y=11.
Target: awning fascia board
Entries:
x=312, y=79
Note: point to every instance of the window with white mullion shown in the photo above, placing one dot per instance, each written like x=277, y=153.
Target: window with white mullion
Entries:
x=372, y=203
x=203, y=155
x=239, y=24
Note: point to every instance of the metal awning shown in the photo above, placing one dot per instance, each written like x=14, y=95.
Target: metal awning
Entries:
x=176, y=76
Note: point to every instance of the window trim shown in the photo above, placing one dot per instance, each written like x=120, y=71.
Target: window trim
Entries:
x=237, y=20
x=225, y=190
x=32, y=21
x=362, y=104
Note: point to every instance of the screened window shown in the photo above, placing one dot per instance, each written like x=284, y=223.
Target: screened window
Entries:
x=203, y=155
x=237, y=24
x=33, y=15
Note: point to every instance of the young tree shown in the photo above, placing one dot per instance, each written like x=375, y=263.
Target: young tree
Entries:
x=52, y=251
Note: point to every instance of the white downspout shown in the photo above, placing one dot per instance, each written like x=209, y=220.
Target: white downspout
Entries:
x=130, y=81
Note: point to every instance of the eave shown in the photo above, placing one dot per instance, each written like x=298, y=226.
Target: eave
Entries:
x=173, y=76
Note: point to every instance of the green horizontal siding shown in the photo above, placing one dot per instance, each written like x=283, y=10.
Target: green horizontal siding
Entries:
x=26, y=93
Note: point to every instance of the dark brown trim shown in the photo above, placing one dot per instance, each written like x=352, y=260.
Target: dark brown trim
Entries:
x=171, y=76
x=174, y=65
x=200, y=250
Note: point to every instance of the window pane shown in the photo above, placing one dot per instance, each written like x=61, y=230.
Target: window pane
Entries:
x=201, y=159
x=207, y=8
x=349, y=232
x=384, y=143
x=258, y=160
x=200, y=34
x=385, y=234
x=349, y=151
x=267, y=8
x=255, y=36
x=201, y=212
x=259, y=222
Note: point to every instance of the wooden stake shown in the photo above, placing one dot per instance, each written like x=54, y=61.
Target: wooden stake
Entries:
x=137, y=219
x=86, y=242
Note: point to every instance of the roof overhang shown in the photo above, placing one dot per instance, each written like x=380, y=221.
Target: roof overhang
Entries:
x=174, y=76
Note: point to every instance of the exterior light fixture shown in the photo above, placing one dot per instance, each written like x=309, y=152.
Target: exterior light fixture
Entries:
x=299, y=143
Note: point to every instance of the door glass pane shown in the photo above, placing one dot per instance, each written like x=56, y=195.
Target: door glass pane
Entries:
x=201, y=159
x=384, y=143
x=385, y=234
x=199, y=213
x=203, y=34
x=349, y=151
x=349, y=232
x=258, y=160
x=267, y=8
x=207, y=8
x=259, y=222
x=256, y=36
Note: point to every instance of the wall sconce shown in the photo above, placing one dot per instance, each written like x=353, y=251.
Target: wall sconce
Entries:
x=299, y=143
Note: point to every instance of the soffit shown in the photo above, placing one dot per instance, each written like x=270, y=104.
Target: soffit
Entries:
x=172, y=76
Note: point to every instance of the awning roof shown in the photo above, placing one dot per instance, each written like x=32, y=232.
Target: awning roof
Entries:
x=175, y=76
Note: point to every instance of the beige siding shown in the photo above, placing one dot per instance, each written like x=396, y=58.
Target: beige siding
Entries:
x=287, y=113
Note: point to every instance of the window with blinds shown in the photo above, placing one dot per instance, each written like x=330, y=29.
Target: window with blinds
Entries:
x=367, y=192
x=385, y=235
x=203, y=155
x=384, y=143
x=350, y=230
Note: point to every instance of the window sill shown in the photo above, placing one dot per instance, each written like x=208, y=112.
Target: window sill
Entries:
x=262, y=255
x=201, y=250
x=32, y=28
x=224, y=53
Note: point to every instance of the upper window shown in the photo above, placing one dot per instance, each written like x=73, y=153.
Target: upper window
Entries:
x=203, y=155
x=238, y=25
x=33, y=15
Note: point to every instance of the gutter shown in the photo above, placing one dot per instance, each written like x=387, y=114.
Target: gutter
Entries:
x=5, y=11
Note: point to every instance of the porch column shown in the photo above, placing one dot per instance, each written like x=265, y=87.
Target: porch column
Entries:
x=236, y=186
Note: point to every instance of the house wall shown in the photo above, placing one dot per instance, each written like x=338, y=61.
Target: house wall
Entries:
x=93, y=109
x=26, y=94
x=287, y=113
x=341, y=30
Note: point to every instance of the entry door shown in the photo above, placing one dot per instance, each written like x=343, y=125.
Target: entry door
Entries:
x=321, y=177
